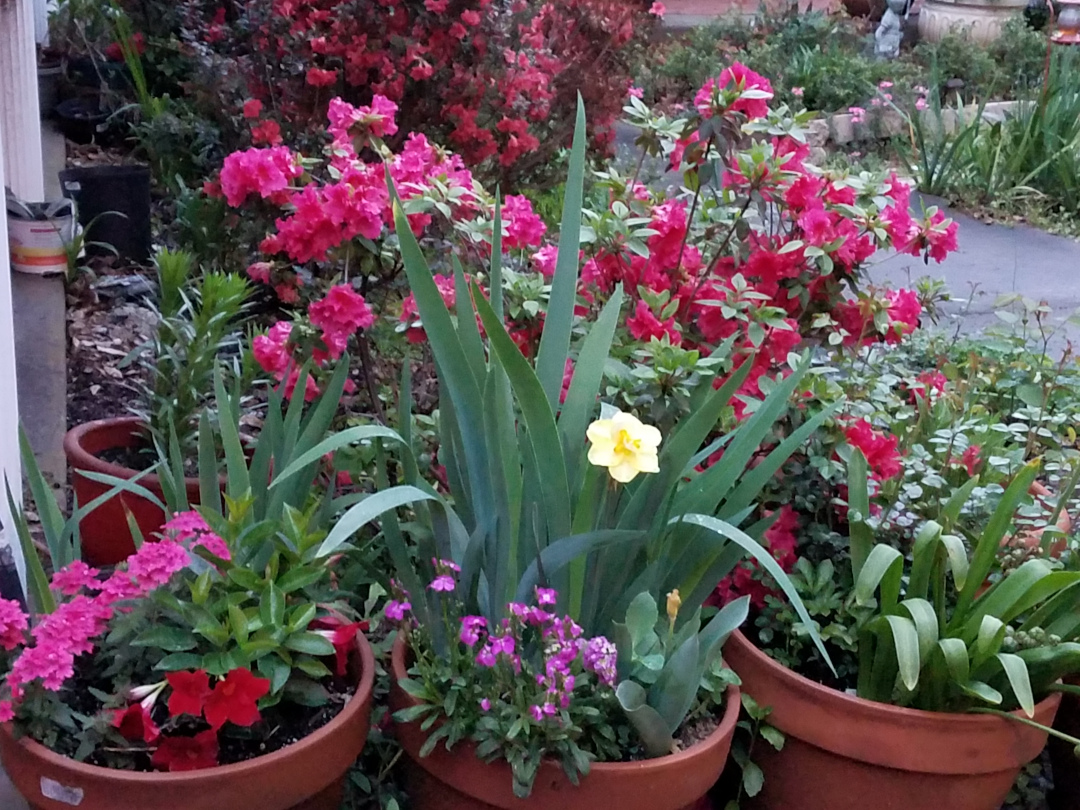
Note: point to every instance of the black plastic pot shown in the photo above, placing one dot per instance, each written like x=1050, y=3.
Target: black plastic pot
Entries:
x=114, y=206
x=78, y=118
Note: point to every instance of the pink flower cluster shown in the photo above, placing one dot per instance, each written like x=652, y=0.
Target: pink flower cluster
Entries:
x=341, y=313
x=69, y=631
x=737, y=89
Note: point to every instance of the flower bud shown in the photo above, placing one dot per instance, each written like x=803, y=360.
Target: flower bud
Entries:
x=674, y=602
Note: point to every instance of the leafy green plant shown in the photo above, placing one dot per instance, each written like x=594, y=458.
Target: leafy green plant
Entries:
x=198, y=321
x=529, y=509
x=661, y=671
x=940, y=647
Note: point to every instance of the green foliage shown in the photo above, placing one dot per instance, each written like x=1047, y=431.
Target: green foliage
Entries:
x=661, y=670
x=253, y=611
x=198, y=321
x=941, y=647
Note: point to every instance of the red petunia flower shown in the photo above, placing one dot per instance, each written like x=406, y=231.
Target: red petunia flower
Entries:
x=234, y=699
x=134, y=723
x=189, y=692
x=342, y=635
x=187, y=753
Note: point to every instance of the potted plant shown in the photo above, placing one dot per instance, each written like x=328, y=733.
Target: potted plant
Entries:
x=944, y=686
x=198, y=319
x=215, y=668
x=599, y=535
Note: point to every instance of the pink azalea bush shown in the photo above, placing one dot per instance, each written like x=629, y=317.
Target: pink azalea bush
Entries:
x=776, y=256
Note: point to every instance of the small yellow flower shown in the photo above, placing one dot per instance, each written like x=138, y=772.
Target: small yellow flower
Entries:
x=624, y=445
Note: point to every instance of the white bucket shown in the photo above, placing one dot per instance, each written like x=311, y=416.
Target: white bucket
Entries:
x=39, y=246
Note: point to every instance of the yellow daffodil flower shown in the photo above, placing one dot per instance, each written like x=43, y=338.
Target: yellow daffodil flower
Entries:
x=624, y=445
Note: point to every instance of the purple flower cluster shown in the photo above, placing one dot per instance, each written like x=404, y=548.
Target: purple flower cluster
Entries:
x=444, y=575
x=565, y=652
x=397, y=607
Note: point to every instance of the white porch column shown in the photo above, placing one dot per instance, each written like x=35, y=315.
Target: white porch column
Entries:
x=20, y=118
x=21, y=168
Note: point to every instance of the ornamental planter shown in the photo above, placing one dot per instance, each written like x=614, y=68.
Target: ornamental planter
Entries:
x=846, y=753
x=459, y=780
x=106, y=538
x=1066, y=792
x=982, y=22
x=306, y=775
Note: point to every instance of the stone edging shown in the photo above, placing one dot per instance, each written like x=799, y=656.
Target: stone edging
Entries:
x=841, y=129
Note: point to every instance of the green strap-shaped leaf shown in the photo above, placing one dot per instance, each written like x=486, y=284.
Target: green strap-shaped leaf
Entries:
x=884, y=569
x=332, y=444
x=456, y=379
x=1017, y=673
x=1005, y=596
x=905, y=639
x=209, y=486
x=563, y=551
x=37, y=582
x=647, y=722
x=988, y=641
x=580, y=402
x=955, y=654
x=989, y=544
x=559, y=321
x=860, y=537
x=369, y=509
x=539, y=421
x=925, y=619
x=726, y=531
x=677, y=685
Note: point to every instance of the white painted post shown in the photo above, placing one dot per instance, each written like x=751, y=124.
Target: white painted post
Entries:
x=22, y=169
x=20, y=117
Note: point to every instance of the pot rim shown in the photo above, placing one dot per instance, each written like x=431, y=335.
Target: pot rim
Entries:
x=356, y=704
x=852, y=704
x=723, y=730
x=79, y=458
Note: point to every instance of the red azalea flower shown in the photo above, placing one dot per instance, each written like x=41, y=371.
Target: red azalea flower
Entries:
x=134, y=723
x=189, y=692
x=234, y=699
x=187, y=753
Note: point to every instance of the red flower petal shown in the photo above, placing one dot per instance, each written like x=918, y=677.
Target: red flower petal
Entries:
x=134, y=723
x=187, y=753
x=189, y=692
x=234, y=699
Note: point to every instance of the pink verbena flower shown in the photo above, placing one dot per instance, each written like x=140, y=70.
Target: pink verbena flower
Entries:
x=77, y=575
x=13, y=624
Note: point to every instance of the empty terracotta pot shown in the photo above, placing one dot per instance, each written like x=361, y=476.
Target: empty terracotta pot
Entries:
x=307, y=775
x=846, y=753
x=106, y=539
x=459, y=780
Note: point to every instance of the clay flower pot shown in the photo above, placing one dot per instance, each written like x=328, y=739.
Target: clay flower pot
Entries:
x=306, y=775
x=459, y=780
x=1032, y=538
x=846, y=753
x=106, y=539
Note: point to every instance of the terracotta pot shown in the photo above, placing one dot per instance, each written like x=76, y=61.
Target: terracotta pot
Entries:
x=106, y=539
x=307, y=775
x=459, y=780
x=1066, y=769
x=1032, y=538
x=846, y=753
